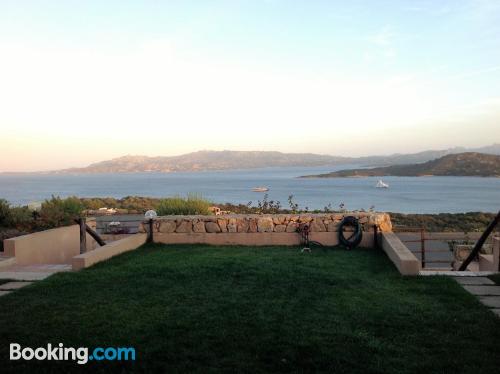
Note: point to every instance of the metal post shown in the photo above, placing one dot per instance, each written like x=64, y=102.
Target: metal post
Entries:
x=83, y=235
x=422, y=246
x=150, y=232
x=375, y=236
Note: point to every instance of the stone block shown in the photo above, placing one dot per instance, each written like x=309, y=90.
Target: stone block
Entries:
x=252, y=225
x=212, y=227
x=317, y=226
x=184, y=227
x=265, y=224
x=280, y=228
x=199, y=226
x=168, y=226
x=333, y=227
x=222, y=225
x=242, y=225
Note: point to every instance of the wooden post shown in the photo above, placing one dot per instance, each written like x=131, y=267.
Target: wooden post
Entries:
x=83, y=235
x=92, y=233
x=480, y=242
x=150, y=233
x=422, y=246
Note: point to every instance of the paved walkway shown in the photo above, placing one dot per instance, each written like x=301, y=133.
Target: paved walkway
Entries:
x=484, y=289
x=24, y=275
x=9, y=287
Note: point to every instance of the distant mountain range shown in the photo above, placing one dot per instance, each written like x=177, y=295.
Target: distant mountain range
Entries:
x=226, y=160
x=207, y=160
x=416, y=158
x=461, y=164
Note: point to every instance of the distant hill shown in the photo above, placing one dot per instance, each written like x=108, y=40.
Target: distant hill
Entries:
x=208, y=160
x=227, y=160
x=462, y=164
x=420, y=157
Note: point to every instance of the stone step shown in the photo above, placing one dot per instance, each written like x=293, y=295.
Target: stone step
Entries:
x=475, y=281
x=3, y=293
x=483, y=290
x=24, y=275
x=456, y=273
x=7, y=261
x=491, y=301
x=11, y=286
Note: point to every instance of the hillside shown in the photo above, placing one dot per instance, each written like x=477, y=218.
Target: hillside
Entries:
x=462, y=164
x=419, y=157
x=227, y=160
x=207, y=160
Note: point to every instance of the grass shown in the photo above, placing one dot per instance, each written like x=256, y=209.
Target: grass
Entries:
x=190, y=205
x=235, y=309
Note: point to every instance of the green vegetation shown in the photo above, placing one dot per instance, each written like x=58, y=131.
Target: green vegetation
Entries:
x=55, y=212
x=238, y=309
x=132, y=204
x=190, y=205
x=457, y=222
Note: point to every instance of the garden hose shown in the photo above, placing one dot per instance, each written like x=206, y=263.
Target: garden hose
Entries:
x=353, y=240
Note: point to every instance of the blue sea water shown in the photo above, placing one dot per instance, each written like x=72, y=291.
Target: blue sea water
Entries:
x=406, y=194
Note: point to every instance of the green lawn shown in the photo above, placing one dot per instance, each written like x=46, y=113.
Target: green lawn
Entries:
x=236, y=309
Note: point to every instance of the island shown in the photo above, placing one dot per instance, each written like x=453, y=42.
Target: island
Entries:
x=461, y=164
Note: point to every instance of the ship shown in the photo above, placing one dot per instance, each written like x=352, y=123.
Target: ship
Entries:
x=381, y=184
x=260, y=189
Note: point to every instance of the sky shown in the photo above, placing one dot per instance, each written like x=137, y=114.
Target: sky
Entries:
x=85, y=81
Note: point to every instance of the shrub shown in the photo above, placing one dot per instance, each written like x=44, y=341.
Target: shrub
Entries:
x=5, y=215
x=59, y=212
x=192, y=204
x=21, y=218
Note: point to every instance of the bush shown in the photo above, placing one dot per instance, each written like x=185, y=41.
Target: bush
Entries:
x=21, y=218
x=193, y=204
x=5, y=215
x=60, y=212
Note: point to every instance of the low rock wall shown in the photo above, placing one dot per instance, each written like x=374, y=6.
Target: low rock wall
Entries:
x=256, y=223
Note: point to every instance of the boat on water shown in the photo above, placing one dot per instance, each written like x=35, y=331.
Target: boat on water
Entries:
x=260, y=189
x=381, y=184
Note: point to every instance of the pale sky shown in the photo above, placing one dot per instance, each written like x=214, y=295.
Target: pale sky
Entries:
x=85, y=81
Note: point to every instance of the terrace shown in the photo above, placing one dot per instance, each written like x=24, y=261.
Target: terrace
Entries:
x=235, y=293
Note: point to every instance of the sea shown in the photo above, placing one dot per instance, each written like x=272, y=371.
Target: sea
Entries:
x=405, y=194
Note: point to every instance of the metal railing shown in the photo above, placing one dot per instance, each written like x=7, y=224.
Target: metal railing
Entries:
x=428, y=245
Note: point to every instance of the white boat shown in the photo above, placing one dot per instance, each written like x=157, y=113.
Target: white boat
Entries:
x=381, y=184
x=260, y=189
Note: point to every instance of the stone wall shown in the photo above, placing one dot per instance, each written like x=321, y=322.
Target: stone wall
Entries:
x=265, y=223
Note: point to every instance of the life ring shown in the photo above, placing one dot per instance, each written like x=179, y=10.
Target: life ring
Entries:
x=353, y=240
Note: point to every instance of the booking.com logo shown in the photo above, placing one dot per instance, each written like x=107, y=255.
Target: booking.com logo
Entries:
x=62, y=353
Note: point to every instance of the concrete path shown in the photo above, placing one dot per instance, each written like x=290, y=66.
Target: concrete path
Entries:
x=23, y=275
x=11, y=286
x=32, y=272
x=8, y=287
x=484, y=289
